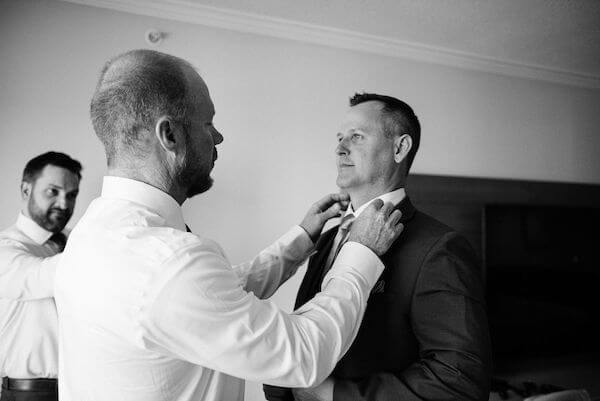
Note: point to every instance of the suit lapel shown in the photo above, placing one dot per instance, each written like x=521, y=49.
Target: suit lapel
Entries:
x=407, y=209
x=311, y=284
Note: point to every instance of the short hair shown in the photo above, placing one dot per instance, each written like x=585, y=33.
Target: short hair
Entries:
x=399, y=119
x=134, y=90
x=34, y=167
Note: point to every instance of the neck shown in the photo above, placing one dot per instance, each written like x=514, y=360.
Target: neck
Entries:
x=25, y=211
x=156, y=177
x=360, y=196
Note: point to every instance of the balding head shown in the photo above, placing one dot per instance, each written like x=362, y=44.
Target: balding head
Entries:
x=134, y=90
x=154, y=115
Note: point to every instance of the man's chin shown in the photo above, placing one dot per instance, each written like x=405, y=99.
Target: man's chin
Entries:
x=56, y=225
x=342, y=182
x=200, y=188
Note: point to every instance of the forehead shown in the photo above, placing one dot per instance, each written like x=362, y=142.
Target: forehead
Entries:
x=365, y=116
x=58, y=176
x=198, y=93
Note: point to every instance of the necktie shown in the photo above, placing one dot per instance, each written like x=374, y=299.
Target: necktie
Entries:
x=58, y=241
x=340, y=239
x=187, y=229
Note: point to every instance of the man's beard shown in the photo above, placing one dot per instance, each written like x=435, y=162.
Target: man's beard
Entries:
x=195, y=181
x=199, y=185
x=53, y=219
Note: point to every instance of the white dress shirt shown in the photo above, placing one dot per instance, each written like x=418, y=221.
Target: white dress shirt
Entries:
x=150, y=312
x=394, y=197
x=28, y=325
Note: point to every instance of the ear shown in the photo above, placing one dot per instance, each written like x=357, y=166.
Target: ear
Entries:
x=168, y=134
x=402, y=146
x=26, y=189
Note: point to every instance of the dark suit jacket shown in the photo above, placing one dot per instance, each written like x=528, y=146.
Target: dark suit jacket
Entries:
x=425, y=334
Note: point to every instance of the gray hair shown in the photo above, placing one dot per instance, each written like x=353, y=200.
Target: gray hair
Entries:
x=134, y=90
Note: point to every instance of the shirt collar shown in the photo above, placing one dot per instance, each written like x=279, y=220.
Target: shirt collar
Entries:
x=395, y=197
x=146, y=195
x=32, y=229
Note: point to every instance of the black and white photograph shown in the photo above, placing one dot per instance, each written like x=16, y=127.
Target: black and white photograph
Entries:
x=321, y=200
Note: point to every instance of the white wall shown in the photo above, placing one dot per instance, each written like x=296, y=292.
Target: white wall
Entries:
x=278, y=103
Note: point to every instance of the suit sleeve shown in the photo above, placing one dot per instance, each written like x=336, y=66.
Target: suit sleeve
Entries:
x=449, y=321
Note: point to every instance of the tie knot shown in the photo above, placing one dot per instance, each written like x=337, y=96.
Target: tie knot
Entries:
x=346, y=222
x=59, y=239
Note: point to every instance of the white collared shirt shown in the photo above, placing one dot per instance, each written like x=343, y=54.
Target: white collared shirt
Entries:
x=150, y=312
x=28, y=325
x=394, y=197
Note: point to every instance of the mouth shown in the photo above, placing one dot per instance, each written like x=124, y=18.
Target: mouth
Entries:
x=58, y=214
x=343, y=162
x=215, y=155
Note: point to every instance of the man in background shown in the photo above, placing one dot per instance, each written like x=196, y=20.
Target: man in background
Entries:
x=150, y=311
x=424, y=335
x=28, y=254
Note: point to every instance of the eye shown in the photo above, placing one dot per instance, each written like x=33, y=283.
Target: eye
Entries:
x=356, y=137
x=51, y=192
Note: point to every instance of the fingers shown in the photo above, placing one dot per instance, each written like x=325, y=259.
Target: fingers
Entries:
x=326, y=202
x=332, y=211
x=374, y=206
x=395, y=217
x=378, y=206
x=399, y=229
x=386, y=209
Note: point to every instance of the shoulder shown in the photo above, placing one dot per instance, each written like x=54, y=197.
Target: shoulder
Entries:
x=425, y=225
x=12, y=237
x=177, y=242
x=448, y=256
x=196, y=269
x=426, y=243
x=421, y=233
x=440, y=237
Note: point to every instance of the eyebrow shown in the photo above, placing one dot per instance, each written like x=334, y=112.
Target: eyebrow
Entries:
x=353, y=131
x=59, y=187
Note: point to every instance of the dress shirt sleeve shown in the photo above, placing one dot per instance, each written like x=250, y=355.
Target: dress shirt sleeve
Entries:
x=23, y=276
x=203, y=315
x=276, y=264
x=449, y=321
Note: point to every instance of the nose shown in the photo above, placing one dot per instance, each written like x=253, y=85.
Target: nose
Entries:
x=217, y=137
x=342, y=149
x=61, y=201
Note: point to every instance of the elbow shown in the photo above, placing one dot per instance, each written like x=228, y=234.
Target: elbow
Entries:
x=314, y=374
x=322, y=362
x=482, y=385
x=467, y=379
x=318, y=378
x=476, y=382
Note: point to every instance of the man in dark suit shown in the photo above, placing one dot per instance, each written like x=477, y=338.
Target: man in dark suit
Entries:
x=424, y=335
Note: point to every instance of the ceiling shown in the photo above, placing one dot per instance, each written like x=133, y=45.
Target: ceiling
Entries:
x=556, y=34
x=554, y=40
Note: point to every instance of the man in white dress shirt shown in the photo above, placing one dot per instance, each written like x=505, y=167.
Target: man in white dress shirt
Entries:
x=28, y=255
x=149, y=311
